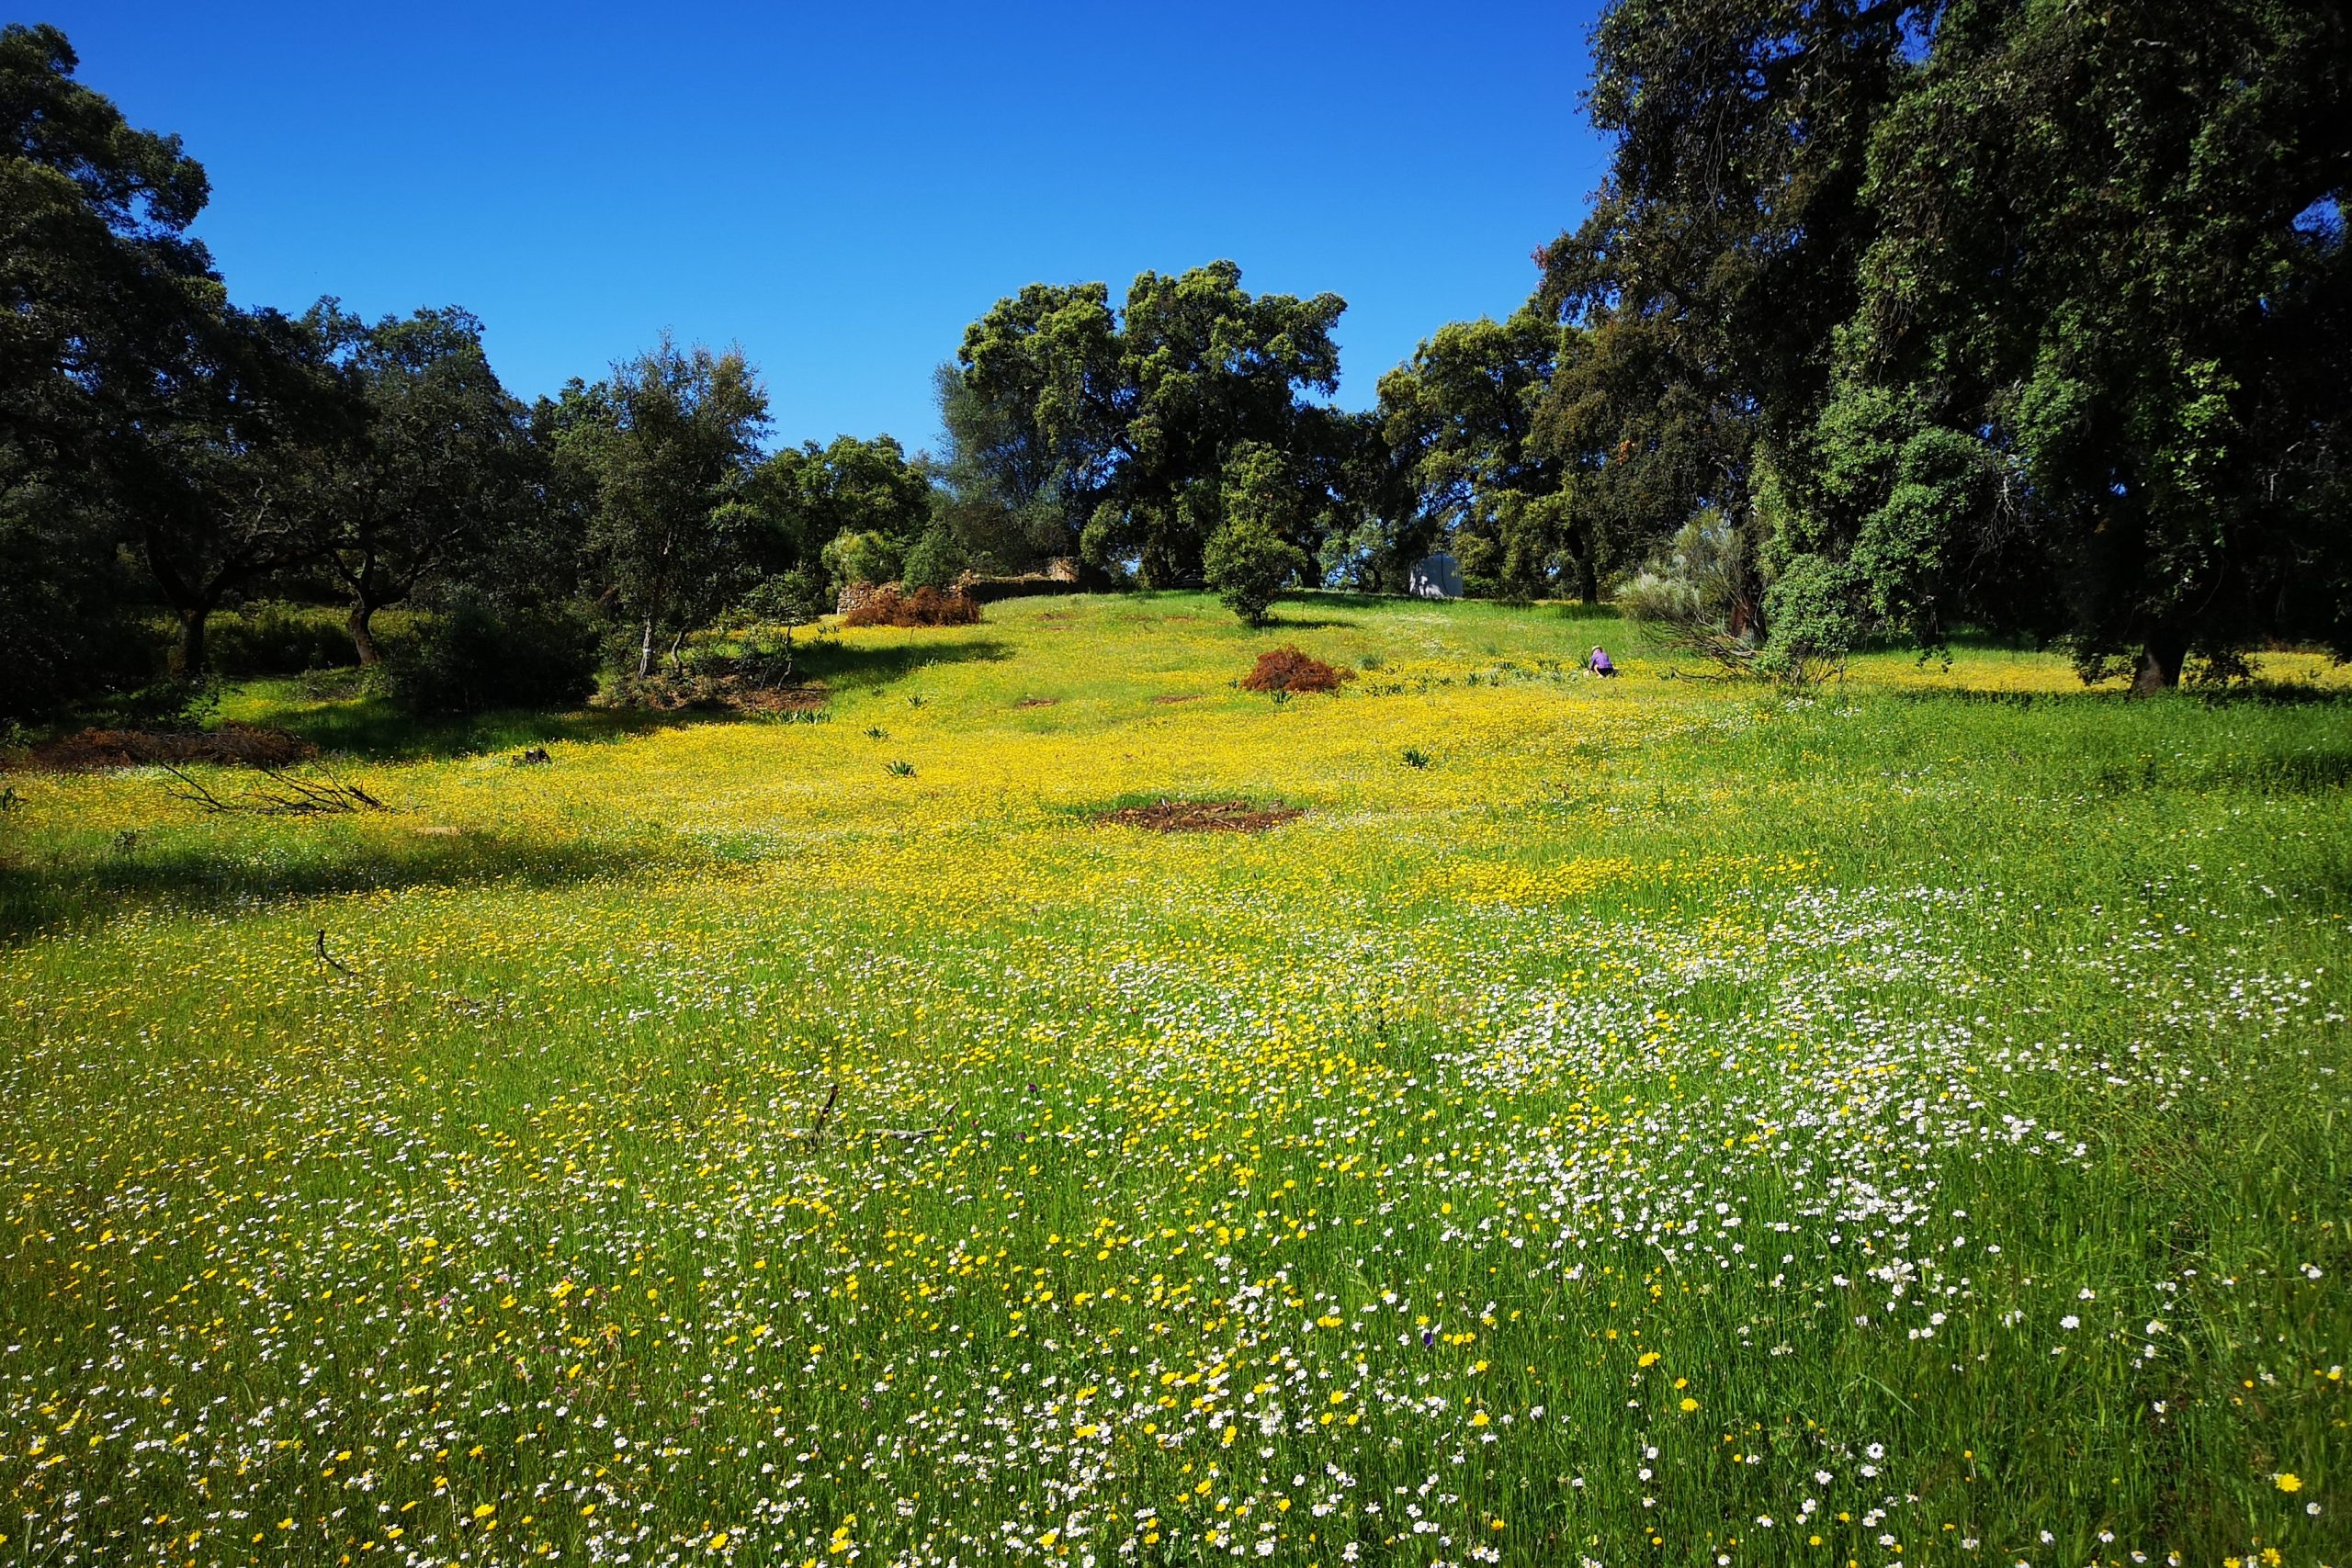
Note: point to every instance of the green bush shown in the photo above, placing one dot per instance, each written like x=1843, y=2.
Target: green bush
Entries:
x=1812, y=608
x=870, y=556
x=478, y=654
x=935, y=561
x=1248, y=564
x=787, y=598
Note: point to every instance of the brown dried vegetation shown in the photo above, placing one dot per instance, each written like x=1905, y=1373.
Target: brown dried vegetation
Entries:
x=1289, y=670
x=231, y=745
x=923, y=607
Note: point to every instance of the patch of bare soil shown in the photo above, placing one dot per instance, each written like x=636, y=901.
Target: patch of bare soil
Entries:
x=776, y=699
x=231, y=745
x=1202, y=816
x=1036, y=701
x=1180, y=697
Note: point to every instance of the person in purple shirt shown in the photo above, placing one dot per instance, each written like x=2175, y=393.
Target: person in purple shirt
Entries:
x=1598, y=663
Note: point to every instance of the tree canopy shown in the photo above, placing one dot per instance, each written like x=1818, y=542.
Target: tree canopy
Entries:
x=1127, y=420
x=2009, y=313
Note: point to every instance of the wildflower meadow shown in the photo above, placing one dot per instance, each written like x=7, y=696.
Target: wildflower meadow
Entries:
x=1658, y=1120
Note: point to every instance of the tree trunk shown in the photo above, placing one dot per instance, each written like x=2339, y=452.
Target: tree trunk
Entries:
x=363, y=633
x=188, y=653
x=2160, y=661
x=1588, y=580
x=645, y=651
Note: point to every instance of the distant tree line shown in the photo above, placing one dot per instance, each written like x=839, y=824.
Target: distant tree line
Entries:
x=1888, y=318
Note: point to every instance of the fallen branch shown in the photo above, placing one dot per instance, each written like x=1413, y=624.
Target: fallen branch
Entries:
x=328, y=958
x=817, y=1130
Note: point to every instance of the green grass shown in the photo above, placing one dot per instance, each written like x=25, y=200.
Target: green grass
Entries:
x=1403, y=1142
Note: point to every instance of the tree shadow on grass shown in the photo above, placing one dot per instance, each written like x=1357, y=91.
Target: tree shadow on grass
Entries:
x=845, y=668
x=64, y=890
x=379, y=730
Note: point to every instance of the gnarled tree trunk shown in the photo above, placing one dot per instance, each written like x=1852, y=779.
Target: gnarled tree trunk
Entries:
x=363, y=633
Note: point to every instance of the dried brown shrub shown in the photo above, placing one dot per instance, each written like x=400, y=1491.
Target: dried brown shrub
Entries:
x=231, y=745
x=1202, y=816
x=924, y=608
x=1289, y=670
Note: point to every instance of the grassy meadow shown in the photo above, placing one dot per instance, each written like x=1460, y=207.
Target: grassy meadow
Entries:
x=1653, y=1120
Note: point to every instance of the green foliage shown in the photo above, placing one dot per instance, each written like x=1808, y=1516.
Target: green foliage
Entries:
x=665, y=446
x=934, y=560
x=1127, y=421
x=2029, y=315
x=1460, y=425
x=475, y=654
x=277, y=639
x=786, y=599
x=809, y=496
x=138, y=408
x=1250, y=558
x=869, y=556
x=1700, y=593
x=988, y=491
x=434, y=474
x=1814, y=610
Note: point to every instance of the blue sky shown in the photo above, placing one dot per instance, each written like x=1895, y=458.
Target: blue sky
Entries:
x=842, y=189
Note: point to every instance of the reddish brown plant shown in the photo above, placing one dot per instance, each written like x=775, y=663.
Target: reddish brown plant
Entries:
x=925, y=607
x=1291, y=670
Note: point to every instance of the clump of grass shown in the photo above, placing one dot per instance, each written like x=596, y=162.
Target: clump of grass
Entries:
x=899, y=769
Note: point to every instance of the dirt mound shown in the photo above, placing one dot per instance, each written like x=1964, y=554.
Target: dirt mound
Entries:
x=1289, y=670
x=1202, y=816
x=231, y=745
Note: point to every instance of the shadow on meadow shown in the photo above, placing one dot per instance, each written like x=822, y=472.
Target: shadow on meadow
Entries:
x=95, y=880
x=377, y=729
x=845, y=668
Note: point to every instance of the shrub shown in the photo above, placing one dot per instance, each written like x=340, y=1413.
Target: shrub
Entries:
x=1289, y=670
x=478, y=654
x=788, y=599
x=935, y=561
x=870, y=556
x=1699, y=594
x=1813, y=609
x=1247, y=565
x=923, y=607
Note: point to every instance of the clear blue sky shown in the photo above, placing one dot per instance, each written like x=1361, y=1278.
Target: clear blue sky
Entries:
x=841, y=188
